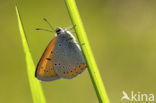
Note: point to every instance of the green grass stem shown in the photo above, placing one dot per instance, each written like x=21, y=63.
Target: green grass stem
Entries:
x=82, y=37
x=35, y=86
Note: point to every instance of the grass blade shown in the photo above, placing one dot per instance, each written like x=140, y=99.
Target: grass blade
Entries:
x=35, y=86
x=92, y=67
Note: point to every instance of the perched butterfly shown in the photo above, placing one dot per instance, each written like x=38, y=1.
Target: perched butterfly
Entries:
x=62, y=58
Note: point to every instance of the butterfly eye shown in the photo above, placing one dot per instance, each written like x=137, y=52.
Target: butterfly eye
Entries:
x=58, y=30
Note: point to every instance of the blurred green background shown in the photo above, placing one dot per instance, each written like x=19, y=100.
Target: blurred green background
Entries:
x=122, y=34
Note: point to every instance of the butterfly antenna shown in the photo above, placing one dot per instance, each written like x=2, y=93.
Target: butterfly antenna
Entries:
x=44, y=29
x=48, y=23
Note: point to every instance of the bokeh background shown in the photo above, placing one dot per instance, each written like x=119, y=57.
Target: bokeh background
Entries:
x=122, y=34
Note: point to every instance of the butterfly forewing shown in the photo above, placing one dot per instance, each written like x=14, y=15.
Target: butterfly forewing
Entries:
x=45, y=68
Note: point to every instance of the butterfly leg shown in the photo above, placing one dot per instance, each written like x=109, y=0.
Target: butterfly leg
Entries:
x=69, y=28
x=80, y=43
x=73, y=32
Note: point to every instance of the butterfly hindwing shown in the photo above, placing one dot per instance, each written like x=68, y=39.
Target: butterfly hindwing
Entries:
x=68, y=59
x=45, y=68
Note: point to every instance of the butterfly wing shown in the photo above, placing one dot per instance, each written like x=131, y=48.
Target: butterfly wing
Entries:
x=68, y=58
x=45, y=68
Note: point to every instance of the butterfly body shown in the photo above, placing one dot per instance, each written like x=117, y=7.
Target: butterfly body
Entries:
x=62, y=58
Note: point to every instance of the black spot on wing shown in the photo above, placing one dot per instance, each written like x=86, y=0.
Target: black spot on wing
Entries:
x=48, y=59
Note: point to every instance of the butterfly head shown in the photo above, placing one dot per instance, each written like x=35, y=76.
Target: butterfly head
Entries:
x=64, y=34
x=59, y=30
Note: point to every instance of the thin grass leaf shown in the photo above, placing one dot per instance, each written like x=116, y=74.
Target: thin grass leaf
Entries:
x=92, y=67
x=35, y=86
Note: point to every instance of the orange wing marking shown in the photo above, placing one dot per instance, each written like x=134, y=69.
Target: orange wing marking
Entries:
x=76, y=70
x=45, y=67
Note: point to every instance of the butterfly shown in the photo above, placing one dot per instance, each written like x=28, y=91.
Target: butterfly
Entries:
x=62, y=58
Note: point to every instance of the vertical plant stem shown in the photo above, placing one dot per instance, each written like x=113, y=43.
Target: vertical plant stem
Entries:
x=35, y=86
x=92, y=67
